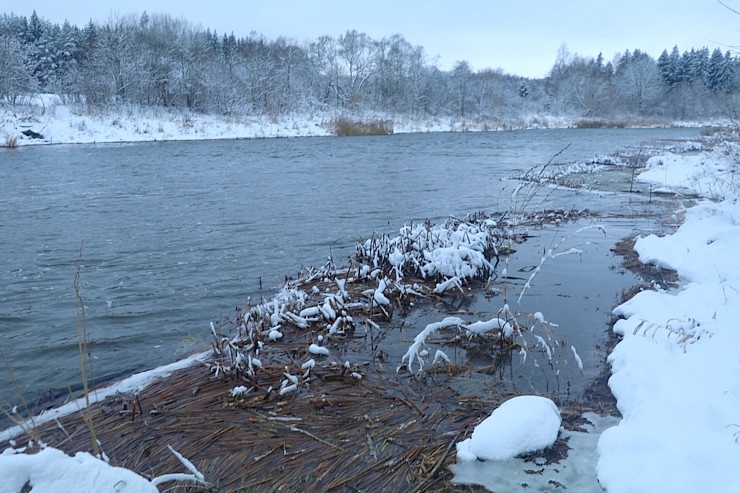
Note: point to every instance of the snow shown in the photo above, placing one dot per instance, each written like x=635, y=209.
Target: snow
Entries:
x=496, y=323
x=522, y=424
x=710, y=174
x=440, y=356
x=64, y=124
x=675, y=373
x=414, y=351
x=573, y=473
x=237, y=391
x=60, y=123
x=52, y=471
x=676, y=370
x=317, y=350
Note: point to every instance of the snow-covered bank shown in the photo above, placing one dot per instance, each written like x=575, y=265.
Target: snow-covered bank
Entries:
x=59, y=123
x=675, y=373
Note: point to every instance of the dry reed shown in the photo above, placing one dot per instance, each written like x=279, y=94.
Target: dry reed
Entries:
x=346, y=127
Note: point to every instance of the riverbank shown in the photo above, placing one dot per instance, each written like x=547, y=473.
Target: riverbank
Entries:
x=291, y=382
x=307, y=425
x=675, y=370
x=46, y=120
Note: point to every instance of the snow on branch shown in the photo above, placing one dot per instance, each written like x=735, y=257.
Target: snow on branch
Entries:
x=195, y=476
x=496, y=323
x=413, y=351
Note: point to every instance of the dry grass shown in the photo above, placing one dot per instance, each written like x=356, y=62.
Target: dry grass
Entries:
x=11, y=141
x=593, y=123
x=345, y=127
x=606, y=123
x=710, y=131
x=83, y=339
x=386, y=432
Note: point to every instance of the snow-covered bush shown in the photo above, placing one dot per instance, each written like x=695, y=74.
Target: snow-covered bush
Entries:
x=459, y=247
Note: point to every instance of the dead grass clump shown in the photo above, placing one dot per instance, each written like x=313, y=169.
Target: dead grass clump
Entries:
x=345, y=127
x=710, y=131
x=595, y=123
x=11, y=141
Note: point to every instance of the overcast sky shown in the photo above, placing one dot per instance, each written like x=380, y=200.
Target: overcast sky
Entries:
x=520, y=36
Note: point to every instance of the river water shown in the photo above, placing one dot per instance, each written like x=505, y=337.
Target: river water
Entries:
x=171, y=236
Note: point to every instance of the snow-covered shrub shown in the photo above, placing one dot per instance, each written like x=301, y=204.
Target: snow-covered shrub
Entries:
x=459, y=247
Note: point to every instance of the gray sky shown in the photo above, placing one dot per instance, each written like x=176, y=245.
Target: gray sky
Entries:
x=519, y=36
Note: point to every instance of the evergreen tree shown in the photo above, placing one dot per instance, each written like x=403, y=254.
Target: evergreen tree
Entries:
x=715, y=71
x=35, y=30
x=700, y=64
x=523, y=90
x=671, y=67
x=726, y=77
x=687, y=66
x=675, y=68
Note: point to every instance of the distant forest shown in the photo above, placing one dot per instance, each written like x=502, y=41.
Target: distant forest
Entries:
x=161, y=61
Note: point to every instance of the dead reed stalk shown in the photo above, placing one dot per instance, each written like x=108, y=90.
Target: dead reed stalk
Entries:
x=85, y=360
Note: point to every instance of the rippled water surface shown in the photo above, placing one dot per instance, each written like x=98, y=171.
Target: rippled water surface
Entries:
x=170, y=236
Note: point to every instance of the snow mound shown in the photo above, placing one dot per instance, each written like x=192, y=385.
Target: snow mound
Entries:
x=576, y=472
x=51, y=471
x=520, y=425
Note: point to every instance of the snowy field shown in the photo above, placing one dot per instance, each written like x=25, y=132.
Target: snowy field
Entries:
x=675, y=373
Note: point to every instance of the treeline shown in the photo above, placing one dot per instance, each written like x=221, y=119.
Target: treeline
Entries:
x=161, y=61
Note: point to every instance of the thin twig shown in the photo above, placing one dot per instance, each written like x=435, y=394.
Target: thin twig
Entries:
x=308, y=433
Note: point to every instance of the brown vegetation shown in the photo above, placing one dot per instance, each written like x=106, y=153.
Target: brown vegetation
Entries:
x=600, y=124
x=384, y=432
x=345, y=127
x=11, y=141
x=650, y=273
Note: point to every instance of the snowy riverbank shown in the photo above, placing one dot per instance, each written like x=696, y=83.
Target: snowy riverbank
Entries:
x=59, y=123
x=675, y=372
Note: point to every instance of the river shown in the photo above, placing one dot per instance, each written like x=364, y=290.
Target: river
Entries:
x=170, y=236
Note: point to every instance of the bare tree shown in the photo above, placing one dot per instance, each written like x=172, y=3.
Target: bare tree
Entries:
x=357, y=57
x=461, y=76
x=638, y=82
x=15, y=78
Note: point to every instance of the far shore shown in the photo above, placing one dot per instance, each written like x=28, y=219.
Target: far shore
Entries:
x=47, y=121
